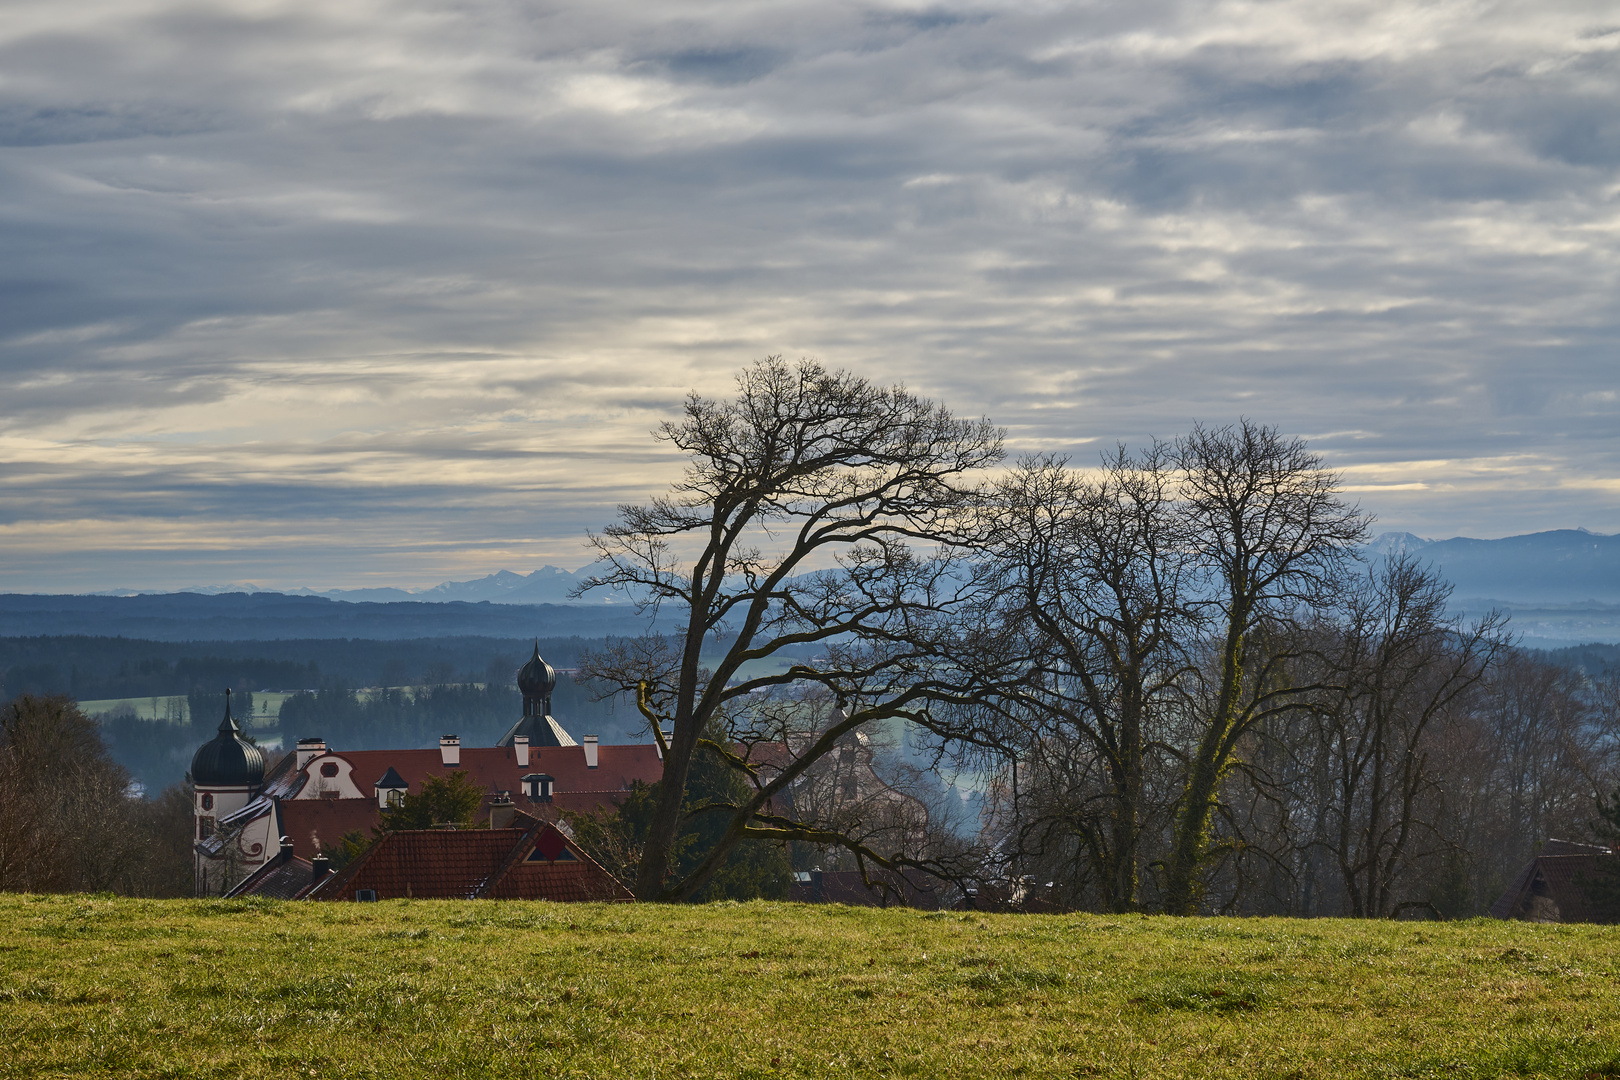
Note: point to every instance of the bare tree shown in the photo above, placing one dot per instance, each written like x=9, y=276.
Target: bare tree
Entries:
x=68, y=821
x=1403, y=666
x=791, y=531
x=1089, y=574
x=1273, y=536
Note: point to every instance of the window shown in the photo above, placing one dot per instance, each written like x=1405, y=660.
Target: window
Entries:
x=329, y=769
x=365, y=896
x=396, y=797
x=205, y=828
x=207, y=801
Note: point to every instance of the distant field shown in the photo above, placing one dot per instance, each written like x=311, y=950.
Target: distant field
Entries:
x=266, y=707
x=102, y=988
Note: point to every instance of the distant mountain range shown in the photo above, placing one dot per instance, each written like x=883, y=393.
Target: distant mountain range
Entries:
x=1559, y=567
x=1564, y=566
x=1560, y=587
x=547, y=585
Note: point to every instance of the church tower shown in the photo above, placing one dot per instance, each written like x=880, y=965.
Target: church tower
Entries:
x=537, y=680
x=226, y=772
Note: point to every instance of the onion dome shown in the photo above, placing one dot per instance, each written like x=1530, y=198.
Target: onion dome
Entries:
x=227, y=760
x=537, y=679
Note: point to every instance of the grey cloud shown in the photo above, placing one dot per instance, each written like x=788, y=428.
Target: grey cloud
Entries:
x=369, y=244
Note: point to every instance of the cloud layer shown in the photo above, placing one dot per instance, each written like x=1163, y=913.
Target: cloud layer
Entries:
x=385, y=293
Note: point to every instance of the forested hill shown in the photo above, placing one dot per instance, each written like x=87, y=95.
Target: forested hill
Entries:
x=90, y=668
x=272, y=616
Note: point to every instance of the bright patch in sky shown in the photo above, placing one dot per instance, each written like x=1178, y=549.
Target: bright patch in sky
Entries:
x=389, y=293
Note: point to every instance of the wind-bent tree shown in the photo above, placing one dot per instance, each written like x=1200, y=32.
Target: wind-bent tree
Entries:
x=1088, y=573
x=790, y=535
x=1273, y=536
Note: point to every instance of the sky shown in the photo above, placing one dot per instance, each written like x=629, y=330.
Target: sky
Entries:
x=376, y=293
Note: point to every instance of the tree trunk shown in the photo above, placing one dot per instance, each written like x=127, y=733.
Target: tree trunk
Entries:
x=1183, y=888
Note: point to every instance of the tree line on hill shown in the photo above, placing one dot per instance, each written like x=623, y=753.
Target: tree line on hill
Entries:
x=101, y=668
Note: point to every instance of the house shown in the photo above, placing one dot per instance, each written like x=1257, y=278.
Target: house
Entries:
x=1558, y=885
x=317, y=794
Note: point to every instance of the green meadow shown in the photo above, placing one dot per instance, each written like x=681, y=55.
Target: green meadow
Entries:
x=93, y=987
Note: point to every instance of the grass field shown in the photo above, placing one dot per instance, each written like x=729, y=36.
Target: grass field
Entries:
x=101, y=987
x=266, y=707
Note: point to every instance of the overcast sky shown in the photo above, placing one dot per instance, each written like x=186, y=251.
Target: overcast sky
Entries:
x=368, y=293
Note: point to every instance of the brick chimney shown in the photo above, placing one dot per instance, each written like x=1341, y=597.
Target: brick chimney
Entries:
x=590, y=751
x=321, y=867
x=450, y=751
x=520, y=747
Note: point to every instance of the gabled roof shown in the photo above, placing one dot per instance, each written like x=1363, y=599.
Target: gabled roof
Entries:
x=450, y=864
x=278, y=879
x=469, y=864
x=1554, y=887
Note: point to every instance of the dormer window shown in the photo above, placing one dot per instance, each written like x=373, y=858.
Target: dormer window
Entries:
x=537, y=786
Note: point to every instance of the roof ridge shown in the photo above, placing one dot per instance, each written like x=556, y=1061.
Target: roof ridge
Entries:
x=514, y=858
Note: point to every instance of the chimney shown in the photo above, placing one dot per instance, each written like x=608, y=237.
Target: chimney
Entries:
x=450, y=751
x=502, y=812
x=590, y=751
x=286, y=848
x=309, y=749
x=520, y=747
x=669, y=737
x=322, y=867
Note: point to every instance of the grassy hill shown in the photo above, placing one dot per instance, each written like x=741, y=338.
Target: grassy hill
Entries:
x=100, y=987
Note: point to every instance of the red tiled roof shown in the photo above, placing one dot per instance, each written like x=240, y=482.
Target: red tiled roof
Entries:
x=304, y=819
x=427, y=864
x=496, y=768
x=570, y=882
x=550, y=866
x=475, y=863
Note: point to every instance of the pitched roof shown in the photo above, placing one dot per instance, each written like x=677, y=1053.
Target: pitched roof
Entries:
x=1554, y=888
x=548, y=865
x=542, y=730
x=391, y=781
x=303, y=820
x=424, y=863
x=278, y=879
x=471, y=864
x=496, y=769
